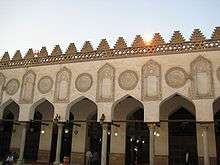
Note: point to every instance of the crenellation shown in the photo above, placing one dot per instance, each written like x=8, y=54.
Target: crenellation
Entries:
x=157, y=39
x=120, y=43
x=56, y=51
x=197, y=35
x=103, y=45
x=87, y=47
x=216, y=33
x=71, y=49
x=6, y=57
x=30, y=54
x=17, y=55
x=138, y=42
x=43, y=52
x=177, y=37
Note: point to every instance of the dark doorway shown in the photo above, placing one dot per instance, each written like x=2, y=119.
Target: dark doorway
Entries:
x=94, y=139
x=182, y=138
x=67, y=138
x=217, y=135
x=137, y=139
x=33, y=138
x=6, y=128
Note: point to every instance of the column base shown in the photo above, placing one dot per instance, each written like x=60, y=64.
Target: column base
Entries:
x=116, y=159
x=161, y=160
x=77, y=158
x=213, y=160
x=56, y=163
x=20, y=162
x=43, y=156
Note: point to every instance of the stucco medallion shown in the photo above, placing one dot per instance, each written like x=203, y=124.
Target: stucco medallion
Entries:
x=45, y=84
x=83, y=82
x=128, y=80
x=176, y=77
x=12, y=86
x=218, y=73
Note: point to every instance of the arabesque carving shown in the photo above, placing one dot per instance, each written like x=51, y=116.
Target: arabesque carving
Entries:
x=105, y=90
x=202, y=79
x=151, y=81
x=176, y=77
x=45, y=84
x=2, y=83
x=83, y=82
x=27, y=88
x=12, y=86
x=62, y=85
x=128, y=80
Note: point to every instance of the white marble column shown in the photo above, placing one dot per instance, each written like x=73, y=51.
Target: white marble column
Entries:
x=104, y=144
x=205, y=144
x=22, y=143
x=151, y=145
x=59, y=142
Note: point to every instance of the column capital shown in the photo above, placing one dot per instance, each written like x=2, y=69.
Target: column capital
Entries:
x=205, y=126
x=151, y=126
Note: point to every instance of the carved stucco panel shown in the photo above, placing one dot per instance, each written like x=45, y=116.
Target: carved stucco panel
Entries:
x=12, y=86
x=62, y=85
x=176, y=77
x=45, y=84
x=83, y=82
x=151, y=81
x=218, y=73
x=105, y=90
x=2, y=83
x=27, y=88
x=202, y=79
x=128, y=80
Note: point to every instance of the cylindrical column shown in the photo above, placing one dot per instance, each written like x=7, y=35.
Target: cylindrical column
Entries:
x=59, y=141
x=104, y=144
x=151, y=146
x=22, y=143
x=205, y=144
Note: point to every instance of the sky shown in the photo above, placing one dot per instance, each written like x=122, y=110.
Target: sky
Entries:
x=28, y=24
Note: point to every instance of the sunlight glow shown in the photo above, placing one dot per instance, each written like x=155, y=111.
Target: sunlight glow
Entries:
x=147, y=38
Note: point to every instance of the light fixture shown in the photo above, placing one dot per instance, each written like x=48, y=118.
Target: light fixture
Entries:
x=137, y=140
x=42, y=131
x=109, y=132
x=131, y=140
x=66, y=130
x=143, y=141
x=116, y=134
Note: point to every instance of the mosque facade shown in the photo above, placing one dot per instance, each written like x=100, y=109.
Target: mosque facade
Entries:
x=151, y=104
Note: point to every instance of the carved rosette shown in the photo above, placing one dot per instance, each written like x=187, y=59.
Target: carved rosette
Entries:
x=128, y=80
x=83, y=82
x=45, y=84
x=176, y=77
x=12, y=86
x=218, y=73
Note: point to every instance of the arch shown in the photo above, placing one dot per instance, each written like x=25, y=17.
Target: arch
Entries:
x=105, y=83
x=39, y=103
x=27, y=87
x=167, y=107
x=80, y=101
x=151, y=81
x=8, y=103
x=62, y=85
x=202, y=78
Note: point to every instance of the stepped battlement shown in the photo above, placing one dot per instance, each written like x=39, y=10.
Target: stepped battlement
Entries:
x=157, y=46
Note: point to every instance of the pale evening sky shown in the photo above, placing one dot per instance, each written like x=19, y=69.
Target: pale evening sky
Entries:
x=35, y=23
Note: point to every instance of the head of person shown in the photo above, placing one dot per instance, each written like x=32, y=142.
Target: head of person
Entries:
x=66, y=160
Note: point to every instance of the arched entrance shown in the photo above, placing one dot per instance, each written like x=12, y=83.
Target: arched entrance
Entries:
x=86, y=131
x=216, y=107
x=39, y=132
x=179, y=112
x=10, y=114
x=133, y=135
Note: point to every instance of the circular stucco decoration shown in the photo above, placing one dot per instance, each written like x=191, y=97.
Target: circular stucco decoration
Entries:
x=45, y=84
x=12, y=86
x=83, y=82
x=218, y=73
x=128, y=80
x=176, y=77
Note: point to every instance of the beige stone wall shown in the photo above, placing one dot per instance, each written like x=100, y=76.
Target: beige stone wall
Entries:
x=203, y=107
